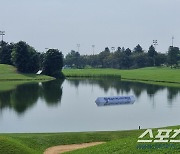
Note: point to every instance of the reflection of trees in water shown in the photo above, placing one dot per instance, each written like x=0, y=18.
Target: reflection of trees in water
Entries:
x=21, y=98
x=127, y=86
x=172, y=94
x=52, y=91
x=153, y=89
x=26, y=95
x=75, y=83
x=5, y=98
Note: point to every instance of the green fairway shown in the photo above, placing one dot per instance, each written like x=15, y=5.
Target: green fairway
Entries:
x=156, y=75
x=116, y=142
x=9, y=78
x=8, y=72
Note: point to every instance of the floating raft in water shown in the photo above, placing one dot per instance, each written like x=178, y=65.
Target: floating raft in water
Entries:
x=115, y=100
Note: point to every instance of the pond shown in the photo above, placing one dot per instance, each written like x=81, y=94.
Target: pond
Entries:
x=69, y=106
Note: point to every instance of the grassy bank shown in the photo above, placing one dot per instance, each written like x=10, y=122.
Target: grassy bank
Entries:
x=156, y=75
x=8, y=73
x=116, y=142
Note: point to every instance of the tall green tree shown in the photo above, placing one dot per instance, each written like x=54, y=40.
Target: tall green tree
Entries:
x=92, y=60
x=53, y=63
x=117, y=58
x=160, y=59
x=119, y=49
x=73, y=59
x=125, y=59
x=127, y=52
x=173, y=56
x=5, y=53
x=103, y=57
x=140, y=60
x=34, y=60
x=138, y=49
x=25, y=58
x=152, y=53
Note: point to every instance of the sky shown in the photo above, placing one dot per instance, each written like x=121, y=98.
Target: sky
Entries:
x=62, y=24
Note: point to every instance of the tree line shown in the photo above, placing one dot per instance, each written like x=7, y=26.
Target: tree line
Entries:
x=124, y=58
x=27, y=60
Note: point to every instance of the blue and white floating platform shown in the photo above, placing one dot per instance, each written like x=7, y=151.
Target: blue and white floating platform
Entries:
x=115, y=100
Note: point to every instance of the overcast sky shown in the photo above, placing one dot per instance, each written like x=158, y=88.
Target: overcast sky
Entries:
x=63, y=24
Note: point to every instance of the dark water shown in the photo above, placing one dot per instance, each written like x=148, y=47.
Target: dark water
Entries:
x=69, y=105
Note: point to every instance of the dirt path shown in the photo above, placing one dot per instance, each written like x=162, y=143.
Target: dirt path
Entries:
x=71, y=147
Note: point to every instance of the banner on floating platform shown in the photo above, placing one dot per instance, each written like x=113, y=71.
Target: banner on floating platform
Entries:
x=115, y=100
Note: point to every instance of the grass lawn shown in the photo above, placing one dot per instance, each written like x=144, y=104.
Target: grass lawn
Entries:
x=9, y=78
x=8, y=72
x=156, y=75
x=116, y=142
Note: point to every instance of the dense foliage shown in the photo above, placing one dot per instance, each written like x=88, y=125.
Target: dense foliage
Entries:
x=173, y=56
x=53, y=63
x=124, y=58
x=5, y=52
x=27, y=60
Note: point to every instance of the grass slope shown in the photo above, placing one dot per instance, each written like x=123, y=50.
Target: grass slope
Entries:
x=156, y=75
x=11, y=146
x=116, y=142
x=8, y=73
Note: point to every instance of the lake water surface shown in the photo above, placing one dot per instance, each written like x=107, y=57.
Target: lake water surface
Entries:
x=69, y=106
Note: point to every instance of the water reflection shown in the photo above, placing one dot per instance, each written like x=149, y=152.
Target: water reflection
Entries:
x=126, y=86
x=25, y=96
x=52, y=92
x=73, y=108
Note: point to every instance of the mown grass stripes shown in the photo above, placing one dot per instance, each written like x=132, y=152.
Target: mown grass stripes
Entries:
x=156, y=75
x=116, y=142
